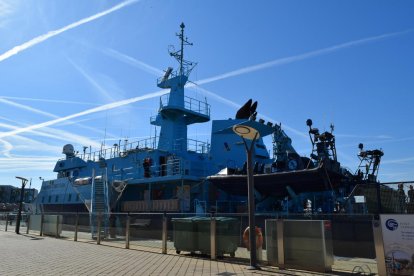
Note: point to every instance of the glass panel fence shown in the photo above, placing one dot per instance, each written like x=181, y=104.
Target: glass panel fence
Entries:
x=114, y=230
x=68, y=225
x=311, y=240
x=3, y=220
x=146, y=231
x=320, y=242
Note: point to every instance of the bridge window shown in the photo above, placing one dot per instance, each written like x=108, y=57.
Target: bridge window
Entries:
x=50, y=199
x=69, y=197
x=56, y=198
x=43, y=199
x=77, y=197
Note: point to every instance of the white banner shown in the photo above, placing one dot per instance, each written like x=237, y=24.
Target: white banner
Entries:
x=398, y=238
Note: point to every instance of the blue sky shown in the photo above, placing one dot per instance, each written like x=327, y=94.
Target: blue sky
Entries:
x=350, y=63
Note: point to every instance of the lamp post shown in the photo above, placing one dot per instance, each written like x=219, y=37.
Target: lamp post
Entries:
x=19, y=214
x=249, y=133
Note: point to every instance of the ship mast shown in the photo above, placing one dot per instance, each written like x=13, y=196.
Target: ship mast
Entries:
x=185, y=65
x=177, y=111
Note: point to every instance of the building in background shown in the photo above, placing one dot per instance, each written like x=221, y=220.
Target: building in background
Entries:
x=10, y=196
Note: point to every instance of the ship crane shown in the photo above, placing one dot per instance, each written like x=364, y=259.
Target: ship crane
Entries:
x=286, y=156
x=369, y=165
x=323, y=144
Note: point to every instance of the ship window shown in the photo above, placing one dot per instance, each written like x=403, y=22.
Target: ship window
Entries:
x=77, y=197
x=43, y=199
x=56, y=198
x=50, y=199
x=69, y=197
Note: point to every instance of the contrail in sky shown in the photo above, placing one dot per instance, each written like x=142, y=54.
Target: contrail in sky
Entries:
x=86, y=112
x=105, y=94
x=132, y=61
x=61, y=133
x=17, y=49
x=46, y=100
x=28, y=108
x=245, y=70
x=54, y=133
x=291, y=59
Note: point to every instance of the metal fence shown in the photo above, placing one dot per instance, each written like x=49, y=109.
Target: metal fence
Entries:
x=218, y=235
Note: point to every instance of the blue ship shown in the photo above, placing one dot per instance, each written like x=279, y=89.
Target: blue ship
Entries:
x=171, y=173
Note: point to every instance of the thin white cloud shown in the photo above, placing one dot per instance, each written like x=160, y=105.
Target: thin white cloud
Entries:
x=291, y=59
x=398, y=161
x=46, y=100
x=209, y=80
x=83, y=113
x=132, y=61
x=381, y=136
x=6, y=149
x=103, y=92
x=62, y=133
x=58, y=134
x=382, y=141
x=29, y=162
x=28, y=108
x=6, y=8
x=17, y=49
x=21, y=143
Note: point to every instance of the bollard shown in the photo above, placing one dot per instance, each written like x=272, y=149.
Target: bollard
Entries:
x=57, y=227
x=7, y=221
x=379, y=247
x=76, y=227
x=164, y=234
x=213, y=238
x=98, y=238
x=280, y=244
x=127, y=232
x=28, y=224
x=42, y=218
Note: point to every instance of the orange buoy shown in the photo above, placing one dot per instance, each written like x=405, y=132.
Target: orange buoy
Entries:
x=259, y=238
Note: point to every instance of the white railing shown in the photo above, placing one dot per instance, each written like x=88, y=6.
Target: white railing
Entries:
x=192, y=104
x=121, y=150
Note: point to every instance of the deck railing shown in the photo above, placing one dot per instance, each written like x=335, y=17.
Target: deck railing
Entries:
x=192, y=104
x=124, y=149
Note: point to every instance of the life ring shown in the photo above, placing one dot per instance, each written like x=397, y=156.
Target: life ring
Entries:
x=259, y=238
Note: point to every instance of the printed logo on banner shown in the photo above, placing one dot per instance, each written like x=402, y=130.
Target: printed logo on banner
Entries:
x=391, y=224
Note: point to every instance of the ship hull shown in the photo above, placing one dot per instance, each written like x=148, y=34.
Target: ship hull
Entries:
x=276, y=184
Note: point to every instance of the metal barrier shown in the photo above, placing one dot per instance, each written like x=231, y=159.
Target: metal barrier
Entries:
x=352, y=236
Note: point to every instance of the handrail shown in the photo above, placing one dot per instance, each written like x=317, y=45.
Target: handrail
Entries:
x=190, y=104
x=140, y=145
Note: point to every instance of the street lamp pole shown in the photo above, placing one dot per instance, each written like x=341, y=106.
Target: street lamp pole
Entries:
x=19, y=214
x=246, y=132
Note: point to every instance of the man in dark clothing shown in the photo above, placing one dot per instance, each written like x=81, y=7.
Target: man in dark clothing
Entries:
x=411, y=194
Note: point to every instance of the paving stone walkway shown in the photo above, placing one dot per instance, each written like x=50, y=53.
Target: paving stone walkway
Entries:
x=35, y=255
